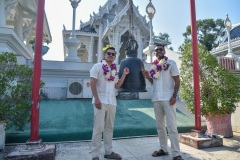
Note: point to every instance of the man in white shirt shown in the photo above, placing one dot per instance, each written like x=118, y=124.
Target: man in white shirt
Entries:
x=104, y=82
x=164, y=75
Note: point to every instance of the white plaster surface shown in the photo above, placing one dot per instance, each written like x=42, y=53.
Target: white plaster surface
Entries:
x=235, y=119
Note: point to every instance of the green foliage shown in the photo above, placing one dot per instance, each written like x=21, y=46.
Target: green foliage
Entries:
x=209, y=33
x=45, y=40
x=163, y=36
x=218, y=86
x=15, y=91
x=32, y=41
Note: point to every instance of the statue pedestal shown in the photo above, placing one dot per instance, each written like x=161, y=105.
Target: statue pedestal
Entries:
x=72, y=44
x=128, y=95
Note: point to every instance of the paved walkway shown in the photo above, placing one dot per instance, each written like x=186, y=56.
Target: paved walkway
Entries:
x=141, y=149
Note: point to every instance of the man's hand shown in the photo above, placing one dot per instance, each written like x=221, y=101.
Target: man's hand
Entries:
x=126, y=71
x=120, y=81
x=145, y=74
x=98, y=104
x=172, y=101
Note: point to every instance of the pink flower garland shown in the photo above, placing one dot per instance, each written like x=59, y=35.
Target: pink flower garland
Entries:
x=109, y=74
x=157, y=66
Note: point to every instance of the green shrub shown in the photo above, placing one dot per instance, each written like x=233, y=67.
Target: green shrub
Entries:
x=15, y=91
x=218, y=86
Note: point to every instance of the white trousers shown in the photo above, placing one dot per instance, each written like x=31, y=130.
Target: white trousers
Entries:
x=103, y=123
x=164, y=111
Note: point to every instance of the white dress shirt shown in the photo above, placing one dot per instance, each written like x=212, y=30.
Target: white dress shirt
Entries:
x=105, y=89
x=163, y=87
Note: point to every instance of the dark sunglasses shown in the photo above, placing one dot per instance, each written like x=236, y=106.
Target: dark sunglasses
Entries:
x=110, y=53
x=159, y=50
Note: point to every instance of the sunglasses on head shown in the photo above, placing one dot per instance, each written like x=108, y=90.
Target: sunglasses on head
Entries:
x=111, y=53
x=159, y=50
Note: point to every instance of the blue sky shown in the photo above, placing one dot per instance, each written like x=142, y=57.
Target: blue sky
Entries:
x=172, y=17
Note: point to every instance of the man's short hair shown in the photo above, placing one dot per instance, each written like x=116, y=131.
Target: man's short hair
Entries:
x=158, y=45
x=108, y=49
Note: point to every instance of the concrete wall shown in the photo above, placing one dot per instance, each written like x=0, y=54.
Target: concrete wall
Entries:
x=57, y=74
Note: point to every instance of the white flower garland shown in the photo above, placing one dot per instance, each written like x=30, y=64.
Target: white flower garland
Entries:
x=109, y=72
x=157, y=66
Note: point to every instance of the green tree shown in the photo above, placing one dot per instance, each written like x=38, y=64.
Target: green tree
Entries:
x=15, y=91
x=165, y=37
x=209, y=32
x=218, y=86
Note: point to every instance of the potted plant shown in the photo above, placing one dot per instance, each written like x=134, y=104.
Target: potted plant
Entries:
x=218, y=90
x=15, y=93
x=45, y=48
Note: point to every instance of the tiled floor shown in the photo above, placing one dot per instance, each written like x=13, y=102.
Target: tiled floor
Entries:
x=142, y=148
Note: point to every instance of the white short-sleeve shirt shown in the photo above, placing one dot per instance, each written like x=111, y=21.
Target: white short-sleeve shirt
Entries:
x=163, y=87
x=105, y=89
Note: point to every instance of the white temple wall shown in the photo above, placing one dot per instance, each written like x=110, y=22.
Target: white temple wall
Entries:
x=235, y=119
x=56, y=76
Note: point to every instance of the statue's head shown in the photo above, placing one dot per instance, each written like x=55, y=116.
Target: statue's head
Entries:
x=131, y=47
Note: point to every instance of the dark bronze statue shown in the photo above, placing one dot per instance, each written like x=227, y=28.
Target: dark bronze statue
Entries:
x=134, y=81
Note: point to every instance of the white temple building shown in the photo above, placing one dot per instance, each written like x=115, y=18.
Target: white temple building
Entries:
x=18, y=26
x=222, y=49
x=109, y=26
x=70, y=78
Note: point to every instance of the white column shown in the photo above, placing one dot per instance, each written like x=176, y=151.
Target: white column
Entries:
x=151, y=44
x=117, y=43
x=238, y=63
x=140, y=46
x=90, y=52
x=18, y=23
x=2, y=14
x=228, y=26
x=100, y=43
x=73, y=43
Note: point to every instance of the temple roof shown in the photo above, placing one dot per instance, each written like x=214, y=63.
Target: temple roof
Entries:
x=222, y=49
x=234, y=33
x=88, y=28
x=112, y=11
x=29, y=8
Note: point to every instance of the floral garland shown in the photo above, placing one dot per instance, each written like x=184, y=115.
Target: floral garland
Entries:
x=109, y=72
x=157, y=66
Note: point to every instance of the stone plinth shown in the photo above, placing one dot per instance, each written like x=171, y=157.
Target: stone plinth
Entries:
x=33, y=151
x=198, y=140
x=128, y=95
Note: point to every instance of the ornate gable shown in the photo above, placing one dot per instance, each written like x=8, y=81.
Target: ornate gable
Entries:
x=222, y=49
x=234, y=33
x=112, y=13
